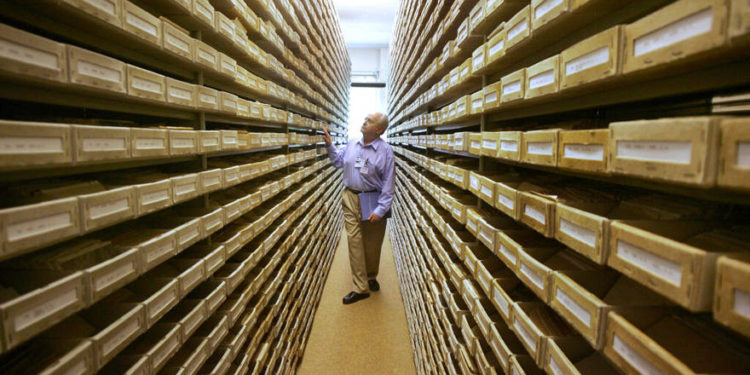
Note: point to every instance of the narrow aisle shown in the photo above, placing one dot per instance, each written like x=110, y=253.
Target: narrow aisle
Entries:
x=368, y=337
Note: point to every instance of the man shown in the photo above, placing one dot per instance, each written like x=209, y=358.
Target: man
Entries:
x=368, y=167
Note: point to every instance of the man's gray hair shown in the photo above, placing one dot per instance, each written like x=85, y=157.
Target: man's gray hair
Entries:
x=383, y=121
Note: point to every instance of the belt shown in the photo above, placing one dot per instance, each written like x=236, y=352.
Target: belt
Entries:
x=357, y=191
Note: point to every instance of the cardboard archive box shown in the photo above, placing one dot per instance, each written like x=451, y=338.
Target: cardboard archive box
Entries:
x=24, y=56
x=734, y=155
x=141, y=23
x=519, y=29
x=732, y=293
x=543, y=78
x=97, y=71
x=583, y=150
x=513, y=86
x=28, y=144
x=593, y=60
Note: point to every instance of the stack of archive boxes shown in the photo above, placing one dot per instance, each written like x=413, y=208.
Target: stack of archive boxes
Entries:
x=160, y=160
x=573, y=183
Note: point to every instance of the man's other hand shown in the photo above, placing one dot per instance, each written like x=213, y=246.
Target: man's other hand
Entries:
x=373, y=218
x=326, y=136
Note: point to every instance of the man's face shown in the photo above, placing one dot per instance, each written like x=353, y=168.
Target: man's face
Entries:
x=370, y=125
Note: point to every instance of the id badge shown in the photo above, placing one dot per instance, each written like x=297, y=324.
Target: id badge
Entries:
x=363, y=170
x=359, y=163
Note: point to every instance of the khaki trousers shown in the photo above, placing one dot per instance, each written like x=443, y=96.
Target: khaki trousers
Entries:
x=365, y=240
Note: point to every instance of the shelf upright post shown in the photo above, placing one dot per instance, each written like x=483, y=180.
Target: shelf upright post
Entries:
x=482, y=127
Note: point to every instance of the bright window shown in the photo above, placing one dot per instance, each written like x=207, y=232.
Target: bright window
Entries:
x=363, y=101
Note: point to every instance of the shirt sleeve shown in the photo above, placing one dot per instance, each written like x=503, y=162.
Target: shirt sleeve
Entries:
x=386, y=193
x=336, y=156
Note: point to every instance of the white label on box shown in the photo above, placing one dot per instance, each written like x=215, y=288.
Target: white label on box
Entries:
x=41, y=311
x=510, y=146
x=150, y=143
x=30, y=145
x=534, y=276
x=476, y=144
x=635, y=359
x=476, y=104
x=539, y=148
x=534, y=213
x=228, y=65
x=471, y=224
x=183, y=143
x=28, y=55
x=242, y=107
x=660, y=267
x=542, y=79
x=658, y=151
x=487, y=192
x=484, y=281
x=508, y=254
x=161, y=303
x=210, y=141
x=203, y=10
x=574, y=307
x=178, y=43
x=517, y=29
x=580, y=233
x=179, y=93
x=512, y=87
x=209, y=57
x=492, y=145
x=596, y=57
x=103, y=144
x=159, y=251
x=471, y=264
x=99, y=71
x=505, y=201
x=226, y=25
x=743, y=154
x=191, y=278
x=525, y=335
x=497, y=47
x=464, y=71
x=486, y=237
x=122, y=334
x=474, y=182
x=742, y=302
x=228, y=102
x=141, y=24
x=113, y=276
x=108, y=208
x=683, y=29
x=38, y=226
x=147, y=85
x=478, y=61
x=556, y=370
x=457, y=211
x=161, y=356
x=155, y=196
x=489, y=98
x=584, y=152
x=210, y=99
x=544, y=7
x=103, y=5
x=186, y=188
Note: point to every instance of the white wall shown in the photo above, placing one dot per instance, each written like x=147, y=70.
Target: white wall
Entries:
x=374, y=59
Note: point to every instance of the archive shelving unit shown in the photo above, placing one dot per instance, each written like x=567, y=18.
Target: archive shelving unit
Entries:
x=163, y=165
x=572, y=185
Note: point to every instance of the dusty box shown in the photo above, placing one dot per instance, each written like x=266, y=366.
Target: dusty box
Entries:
x=739, y=21
x=224, y=26
x=661, y=342
x=490, y=143
x=183, y=142
x=177, y=40
x=461, y=141
x=680, y=150
x=475, y=143
x=145, y=84
x=211, y=180
x=208, y=98
x=496, y=45
x=99, y=210
x=227, y=65
x=534, y=323
x=204, y=12
x=147, y=142
x=540, y=147
x=465, y=70
x=181, y=93
x=243, y=108
x=594, y=59
x=185, y=187
x=545, y=12
x=543, y=78
x=107, y=10
x=582, y=223
x=583, y=150
x=479, y=58
x=98, y=143
x=141, y=23
x=675, y=32
x=153, y=196
x=513, y=86
x=491, y=95
x=477, y=102
x=732, y=295
x=734, y=155
x=510, y=145
x=121, y=324
x=206, y=56
x=91, y=69
x=26, y=144
x=228, y=102
x=33, y=226
x=519, y=28
x=33, y=56
x=505, y=345
x=572, y=356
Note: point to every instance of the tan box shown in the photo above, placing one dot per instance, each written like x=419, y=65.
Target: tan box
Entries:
x=227, y=65
x=540, y=147
x=594, y=59
x=460, y=142
x=543, y=78
x=107, y=276
x=153, y=196
x=91, y=69
x=491, y=96
x=537, y=208
x=145, y=84
x=129, y=323
x=465, y=70
x=141, y=23
x=583, y=150
x=505, y=346
x=150, y=143
x=546, y=12
x=206, y=56
x=184, y=142
x=243, y=108
x=506, y=198
x=98, y=143
x=204, y=12
x=496, y=45
x=513, y=86
x=211, y=180
x=228, y=103
x=32, y=226
x=680, y=150
x=475, y=143
x=105, y=10
x=510, y=145
x=675, y=32
x=739, y=21
x=177, y=40
x=479, y=58
x=490, y=143
x=31, y=55
x=659, y=341
x=572, y=356
x=583, y=225
x=99, y=210
x=463, y=107
x=224, y=25
x=519, y=28
x=734, y=155
x=27, y=144
x=181, y=93
x=732, y=294
x=57, y=300
x=208, y=98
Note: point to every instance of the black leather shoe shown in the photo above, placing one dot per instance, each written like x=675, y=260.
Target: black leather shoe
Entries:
x=354, y=297
x=373, y=284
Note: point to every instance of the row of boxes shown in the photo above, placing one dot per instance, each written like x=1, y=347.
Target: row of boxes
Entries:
x=705, y=152
x=571, y=301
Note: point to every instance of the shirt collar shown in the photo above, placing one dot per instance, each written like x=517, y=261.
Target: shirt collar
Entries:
x=375, y=144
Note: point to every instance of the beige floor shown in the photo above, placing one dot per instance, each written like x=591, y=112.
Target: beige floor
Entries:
x=367, y=337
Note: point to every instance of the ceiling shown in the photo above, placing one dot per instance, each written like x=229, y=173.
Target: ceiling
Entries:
x=366, y=23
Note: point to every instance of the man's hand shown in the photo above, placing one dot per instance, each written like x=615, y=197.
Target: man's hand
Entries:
x=326, y=136
x=373, y=218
